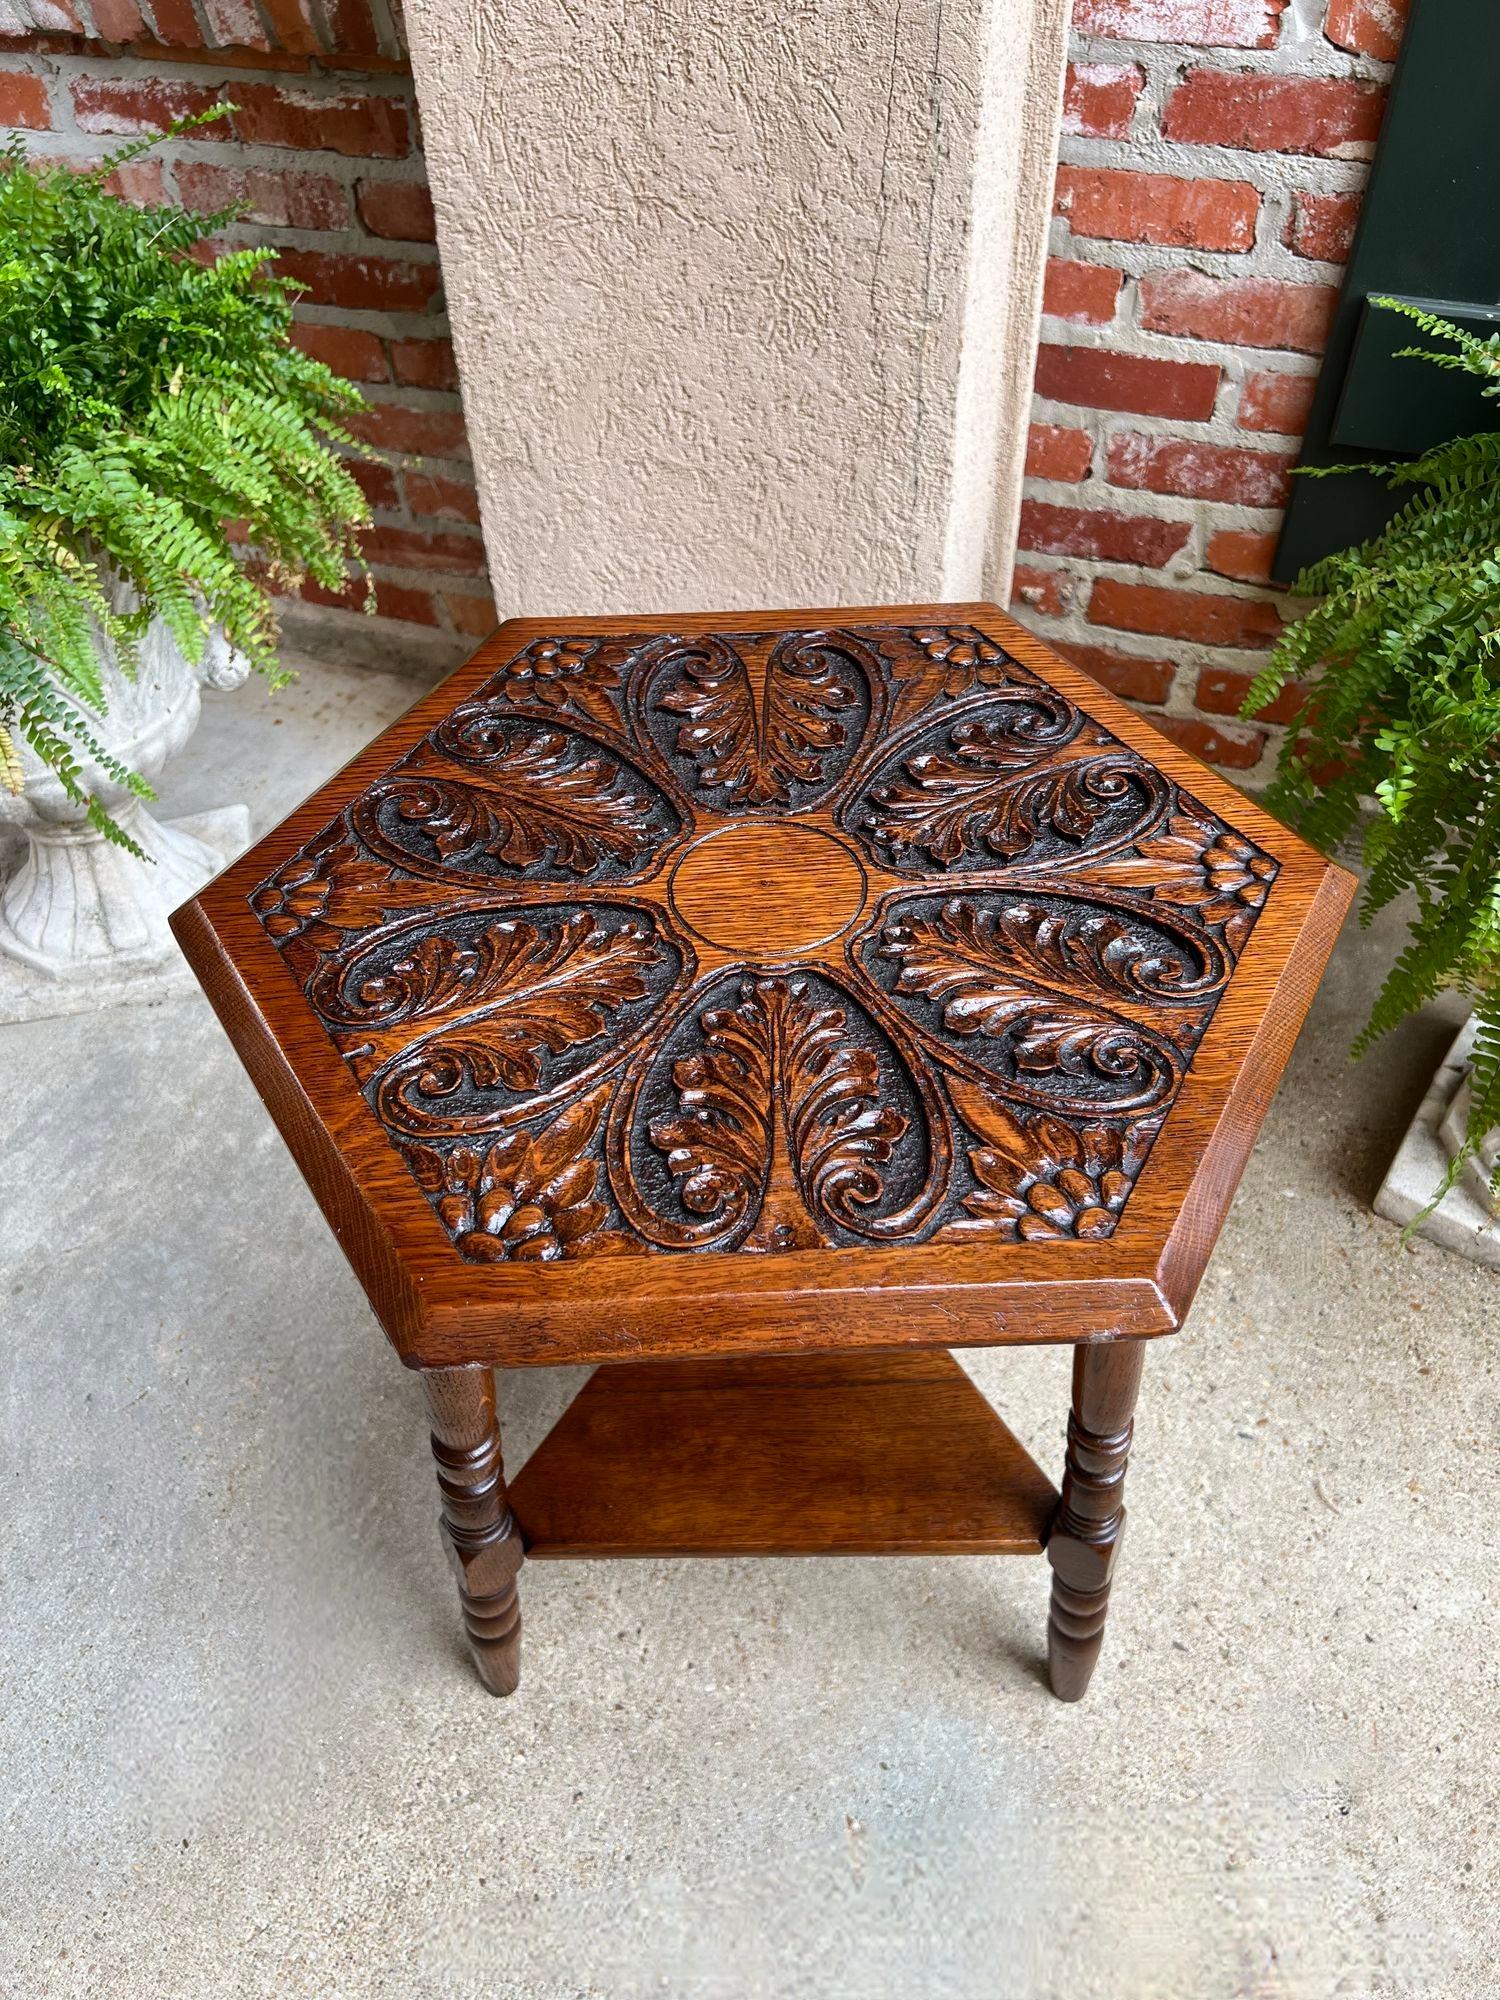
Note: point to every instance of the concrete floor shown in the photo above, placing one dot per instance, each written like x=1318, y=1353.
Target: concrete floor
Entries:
x=242, y=1753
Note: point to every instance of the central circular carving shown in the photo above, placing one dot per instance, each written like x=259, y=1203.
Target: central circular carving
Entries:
x=768, y=889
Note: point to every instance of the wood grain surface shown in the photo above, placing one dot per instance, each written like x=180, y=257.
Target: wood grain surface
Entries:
x=478, y=1529
x=1090, y=1522
x=859, y=1454
x=782, y=981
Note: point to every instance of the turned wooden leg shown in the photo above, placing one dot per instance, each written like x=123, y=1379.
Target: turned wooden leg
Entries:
x=1085, y=1537
x=481, y=1537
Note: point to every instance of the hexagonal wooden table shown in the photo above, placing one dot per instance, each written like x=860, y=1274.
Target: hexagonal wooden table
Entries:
x=760, y=1006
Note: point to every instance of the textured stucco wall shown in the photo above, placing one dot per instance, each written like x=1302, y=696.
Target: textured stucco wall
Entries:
x=742, y=295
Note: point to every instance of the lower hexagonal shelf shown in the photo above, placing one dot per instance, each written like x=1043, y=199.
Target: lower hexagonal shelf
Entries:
x=864, y=1454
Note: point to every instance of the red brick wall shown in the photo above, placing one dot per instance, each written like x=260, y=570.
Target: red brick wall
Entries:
x=1211, y=165
x=1213, y=156
x=325, y=147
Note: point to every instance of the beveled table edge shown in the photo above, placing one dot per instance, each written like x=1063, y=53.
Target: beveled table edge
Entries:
x=439, y=1311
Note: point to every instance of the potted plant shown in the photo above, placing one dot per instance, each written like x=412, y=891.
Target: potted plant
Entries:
x=166, y=455
x=1401, y=661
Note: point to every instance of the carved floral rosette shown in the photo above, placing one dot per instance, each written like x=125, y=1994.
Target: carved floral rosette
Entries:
x=986, y=1048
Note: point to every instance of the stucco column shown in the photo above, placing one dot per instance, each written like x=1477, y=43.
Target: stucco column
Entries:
x=744, y=292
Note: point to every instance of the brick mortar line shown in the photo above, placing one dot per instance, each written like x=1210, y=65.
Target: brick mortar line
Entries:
x=1204, y=652
x=1208, y=582
x=1136, y=259
x=1288, y=57
x=1189, y=660
x=202, y=70
x=1267, y=250
x=1192, y=160
x=1142, y=501
x=370, y=319
x=290, y=236
x=1179, y=706
x=411, y=396
x=240, y=156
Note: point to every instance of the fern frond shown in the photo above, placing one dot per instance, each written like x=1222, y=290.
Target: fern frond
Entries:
x=149, y=398
x=1401, y=658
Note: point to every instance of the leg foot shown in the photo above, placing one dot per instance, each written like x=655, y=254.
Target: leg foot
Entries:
x=482, y=1539
x=1085, y=1538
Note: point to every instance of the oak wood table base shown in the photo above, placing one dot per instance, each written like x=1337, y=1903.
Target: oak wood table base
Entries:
x=848, y=1454
x=1087, y=1529
x=780, y=1000
x=478, y=1528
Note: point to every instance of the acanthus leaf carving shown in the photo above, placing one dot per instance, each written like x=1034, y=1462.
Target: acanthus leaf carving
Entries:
x=758, y=751
x=549, y=984
x=1041, y=1179
x=780, y=1121
x=718, y=1144
x=800, y=717
x=1055, y=988
x=951, y=661
x=989, y=792
x=529, y=1197
x=557, y=673
x=842, y=1137
x=1074, y=1052
x=1054, y=942
x=543, y=797
x=1191, y=863
x=543, y=990
x=437, y=972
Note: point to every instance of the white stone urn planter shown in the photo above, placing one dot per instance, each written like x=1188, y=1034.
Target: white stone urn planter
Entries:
x=83, y=923
x=1466, y=1219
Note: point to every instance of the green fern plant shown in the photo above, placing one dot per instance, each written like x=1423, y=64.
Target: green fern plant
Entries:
x=1401, y=659
x=151, y=402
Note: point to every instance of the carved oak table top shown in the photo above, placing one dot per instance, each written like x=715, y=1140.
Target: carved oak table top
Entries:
x=751, y=994
x=666, y=987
